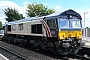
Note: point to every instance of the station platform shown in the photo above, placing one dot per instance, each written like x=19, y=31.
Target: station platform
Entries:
x=86, y=42
x=2, y=57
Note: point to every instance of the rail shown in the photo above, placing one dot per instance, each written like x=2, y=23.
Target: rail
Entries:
x=13, y=53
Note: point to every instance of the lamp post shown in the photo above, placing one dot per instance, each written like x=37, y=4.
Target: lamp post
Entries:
x=84, y=26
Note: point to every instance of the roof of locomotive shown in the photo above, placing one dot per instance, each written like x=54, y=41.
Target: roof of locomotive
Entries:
x=68, y=14
x=56, y=14
x=31, y=18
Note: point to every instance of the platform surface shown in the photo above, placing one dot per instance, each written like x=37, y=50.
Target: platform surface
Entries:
x=86, y=42
x=2, y=57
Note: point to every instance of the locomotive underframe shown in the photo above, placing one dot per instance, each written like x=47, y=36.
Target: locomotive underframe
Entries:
x=52, y=45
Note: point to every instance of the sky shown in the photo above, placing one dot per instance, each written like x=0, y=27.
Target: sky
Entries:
x=79, y=6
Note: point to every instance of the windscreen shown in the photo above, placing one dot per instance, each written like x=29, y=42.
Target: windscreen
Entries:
x=76, y=23
x=64, y=23
x=70, y=24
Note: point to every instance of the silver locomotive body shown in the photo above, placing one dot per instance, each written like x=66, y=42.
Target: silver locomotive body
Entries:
x=38, y=32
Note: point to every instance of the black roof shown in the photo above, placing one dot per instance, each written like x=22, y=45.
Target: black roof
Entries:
x=70, y=12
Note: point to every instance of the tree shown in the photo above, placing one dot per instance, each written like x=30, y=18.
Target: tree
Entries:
x=35, y=9
x=1, y=25
x=12, y=14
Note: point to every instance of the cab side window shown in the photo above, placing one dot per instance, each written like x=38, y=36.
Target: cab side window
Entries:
x=52, y=23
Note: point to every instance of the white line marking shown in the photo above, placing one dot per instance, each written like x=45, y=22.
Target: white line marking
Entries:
x=4, y=57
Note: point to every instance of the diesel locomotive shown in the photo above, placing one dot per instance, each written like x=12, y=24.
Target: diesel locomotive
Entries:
x=58, y=32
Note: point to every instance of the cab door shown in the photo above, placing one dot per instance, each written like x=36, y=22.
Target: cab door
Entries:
x=52, y=24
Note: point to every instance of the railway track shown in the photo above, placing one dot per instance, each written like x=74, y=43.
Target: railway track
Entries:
x=30, y=54
x=27, y=53
x=11, y=53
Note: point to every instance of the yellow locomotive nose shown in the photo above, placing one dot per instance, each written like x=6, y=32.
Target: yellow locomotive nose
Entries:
x=70, y=34
x=66, y=34
x=79, y=35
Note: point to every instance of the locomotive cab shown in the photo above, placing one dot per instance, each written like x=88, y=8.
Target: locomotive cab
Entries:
x=70, y=31
x=70, y=25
